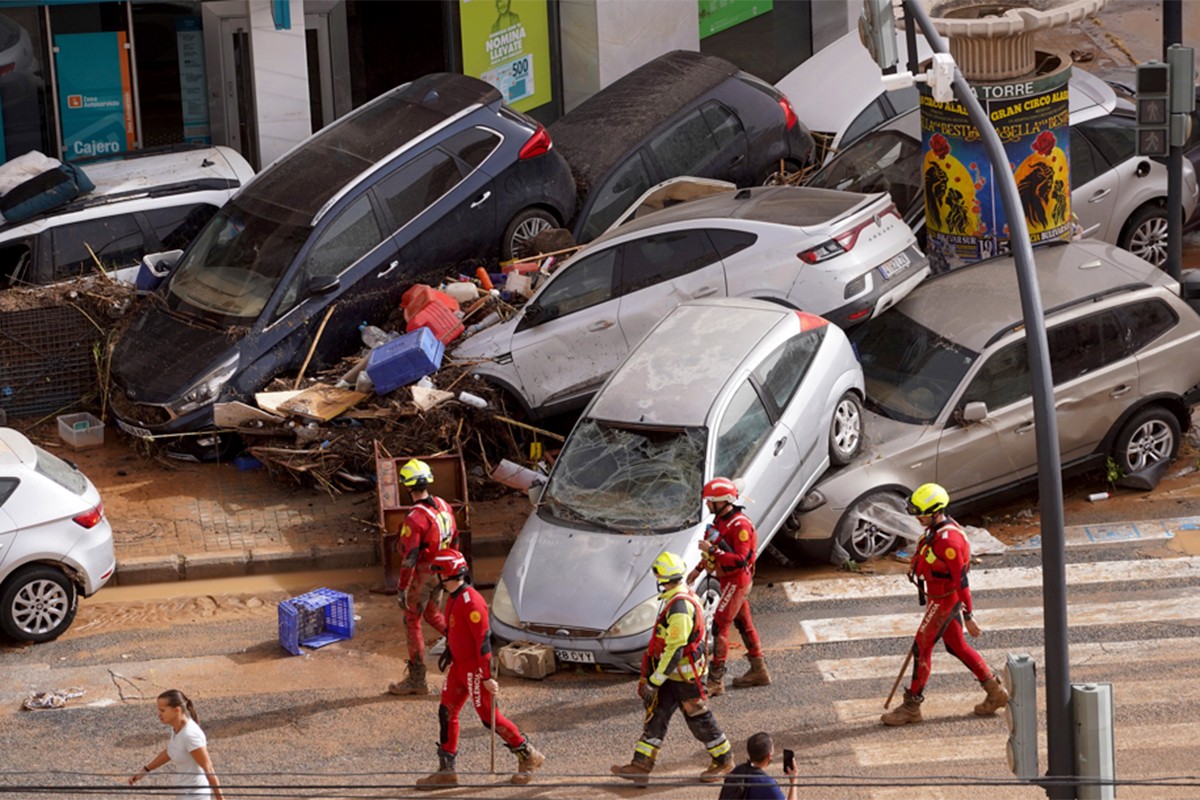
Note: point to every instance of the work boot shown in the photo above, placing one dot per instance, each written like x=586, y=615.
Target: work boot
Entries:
x=718, y=769
x=755, y=676
x=910, y=711
x=637, y=770
x=444, y=778
x=528, y=760
x=715, y=685
x=414, y=681
x=996, y=698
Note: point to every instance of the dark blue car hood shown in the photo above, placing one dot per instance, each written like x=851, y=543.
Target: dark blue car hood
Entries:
x=161, y=355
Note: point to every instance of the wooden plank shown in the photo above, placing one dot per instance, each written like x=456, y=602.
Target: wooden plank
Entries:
x=322, y=403
x=236, y=414
x=270, y=401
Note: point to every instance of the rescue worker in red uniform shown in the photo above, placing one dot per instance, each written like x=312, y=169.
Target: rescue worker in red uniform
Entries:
x=673, y=678
x=428, y=528
x=939, y=568
x=469, y=656
x=730, y=550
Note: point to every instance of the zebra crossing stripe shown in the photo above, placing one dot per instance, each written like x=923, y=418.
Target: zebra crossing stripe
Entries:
x=1184, y=606
x=982, y=580
x=1084, y=655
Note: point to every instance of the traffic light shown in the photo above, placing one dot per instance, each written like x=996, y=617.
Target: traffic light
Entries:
x=877, y=30
x=1153, y=109
x=1020, y=678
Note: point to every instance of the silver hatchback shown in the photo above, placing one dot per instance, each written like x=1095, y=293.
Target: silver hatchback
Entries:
x=739, y=388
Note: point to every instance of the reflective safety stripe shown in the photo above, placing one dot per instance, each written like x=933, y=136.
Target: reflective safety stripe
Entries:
x=443, y=518
x=720, y=748
x=646, y=749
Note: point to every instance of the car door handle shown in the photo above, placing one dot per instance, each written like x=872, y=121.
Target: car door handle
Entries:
x=603, y=324
x=704, y=291
x=779, y=445
x=1100, y=195
x=1120, y=390
x=482, y=199
x=391, y=267
x=1066, y=402
x=1026, y=428
x=737, y=160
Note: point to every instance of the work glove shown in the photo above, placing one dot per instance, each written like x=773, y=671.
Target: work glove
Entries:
x=444, y=660
x=647, y=692
x=402, y=599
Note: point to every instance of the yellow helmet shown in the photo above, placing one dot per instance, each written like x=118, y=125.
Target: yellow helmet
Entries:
x=416, y=474
x=669, y=568
x=929, y=498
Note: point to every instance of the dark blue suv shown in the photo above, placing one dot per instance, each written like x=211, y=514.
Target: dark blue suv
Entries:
x=398, y=192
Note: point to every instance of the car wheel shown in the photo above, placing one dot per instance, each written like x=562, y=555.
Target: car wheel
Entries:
x=1146, y=235
x=845, y=431
x=1152, y=435
x=860, y=535
x=37, y=605
x=771, y=175
x=518, y=236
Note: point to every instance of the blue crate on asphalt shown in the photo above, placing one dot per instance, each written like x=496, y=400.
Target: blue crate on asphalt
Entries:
x=315, y=619
x=404, y=360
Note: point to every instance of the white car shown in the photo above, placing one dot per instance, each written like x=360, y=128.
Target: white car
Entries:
x=845, y=256
x=737, y=388
x=55, y=542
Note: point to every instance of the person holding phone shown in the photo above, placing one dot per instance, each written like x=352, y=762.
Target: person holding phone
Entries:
x=750, y=781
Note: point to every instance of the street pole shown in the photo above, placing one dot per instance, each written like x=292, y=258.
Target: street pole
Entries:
x=1173, y=34
x=1060, y=737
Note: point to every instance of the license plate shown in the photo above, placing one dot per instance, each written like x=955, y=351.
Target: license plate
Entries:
x=575, y=656
x=895, y=265
x=134, y=430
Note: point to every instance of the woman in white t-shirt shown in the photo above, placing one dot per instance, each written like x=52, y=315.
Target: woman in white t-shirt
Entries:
x=187, y=750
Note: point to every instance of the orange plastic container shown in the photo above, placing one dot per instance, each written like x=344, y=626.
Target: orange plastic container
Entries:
x=439, y=319
x=419, y=296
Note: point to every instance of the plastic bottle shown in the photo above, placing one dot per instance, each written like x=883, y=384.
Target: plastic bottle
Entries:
x=373, y=336
x=472, y=400
x=485, y=280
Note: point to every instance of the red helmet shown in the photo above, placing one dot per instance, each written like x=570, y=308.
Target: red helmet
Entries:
x=720, y=489
x=448, y=564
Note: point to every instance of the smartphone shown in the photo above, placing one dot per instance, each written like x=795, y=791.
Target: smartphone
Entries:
x=789, y=760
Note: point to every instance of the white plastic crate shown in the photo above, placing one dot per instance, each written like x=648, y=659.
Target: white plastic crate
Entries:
x=80, y=431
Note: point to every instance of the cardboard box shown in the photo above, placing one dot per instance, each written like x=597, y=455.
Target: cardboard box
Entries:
x=527, y=660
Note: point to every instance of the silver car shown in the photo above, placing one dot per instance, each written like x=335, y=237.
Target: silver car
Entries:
x=949, y=392
x=843, y=255
x=745, y=389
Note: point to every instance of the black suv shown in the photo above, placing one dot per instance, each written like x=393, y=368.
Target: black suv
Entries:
x=683, y=113
x=397, y=192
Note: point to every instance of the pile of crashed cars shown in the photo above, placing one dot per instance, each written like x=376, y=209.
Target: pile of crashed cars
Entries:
x=787, y=336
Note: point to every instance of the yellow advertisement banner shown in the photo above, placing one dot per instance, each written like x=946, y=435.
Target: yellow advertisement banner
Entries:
x=507, y=44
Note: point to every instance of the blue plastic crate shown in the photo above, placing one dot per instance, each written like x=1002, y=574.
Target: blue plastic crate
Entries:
x=404, y=360
x=315, y=619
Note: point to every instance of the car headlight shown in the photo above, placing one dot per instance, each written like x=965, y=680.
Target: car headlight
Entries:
x=641, y=618
x=205, y=390
x=502, y=606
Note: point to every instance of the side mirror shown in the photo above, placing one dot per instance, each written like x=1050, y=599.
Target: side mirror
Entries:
x=535, y=493
x=535, y=313
x=321, y=284
x=975, y=412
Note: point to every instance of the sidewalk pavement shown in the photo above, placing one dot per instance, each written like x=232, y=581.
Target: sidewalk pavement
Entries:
x=179, y=521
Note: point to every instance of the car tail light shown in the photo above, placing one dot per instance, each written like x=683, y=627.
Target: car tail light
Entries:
x=789, y=116
x=90, y=519
x=822, y=252
x=539, y=144
x=843, y=242
x=857, y=315
x=7, y=68
x=810, y=322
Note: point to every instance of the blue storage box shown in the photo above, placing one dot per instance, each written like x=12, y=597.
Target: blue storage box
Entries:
x=404, y=360
x=315, y=619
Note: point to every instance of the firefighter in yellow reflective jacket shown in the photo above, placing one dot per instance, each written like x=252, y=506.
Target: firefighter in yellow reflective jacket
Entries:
x=673, y=677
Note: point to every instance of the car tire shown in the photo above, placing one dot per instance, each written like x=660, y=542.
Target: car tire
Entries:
x=519, y=234
x=771, y=175
x=1145, y=235
x=861, y=539
x=1150, y=436
x=846, y=430
x=38, y=604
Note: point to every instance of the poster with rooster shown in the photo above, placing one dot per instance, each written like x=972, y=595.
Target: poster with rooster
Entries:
x=964, y=214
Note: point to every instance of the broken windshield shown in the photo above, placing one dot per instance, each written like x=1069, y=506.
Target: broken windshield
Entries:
x=236, y=262
x=627, y=478
x=910, y=371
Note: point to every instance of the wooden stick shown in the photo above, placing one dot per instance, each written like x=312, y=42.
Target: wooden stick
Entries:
x=313, y=347
x=540, y=256
x=527, y=427
x=903, y=669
